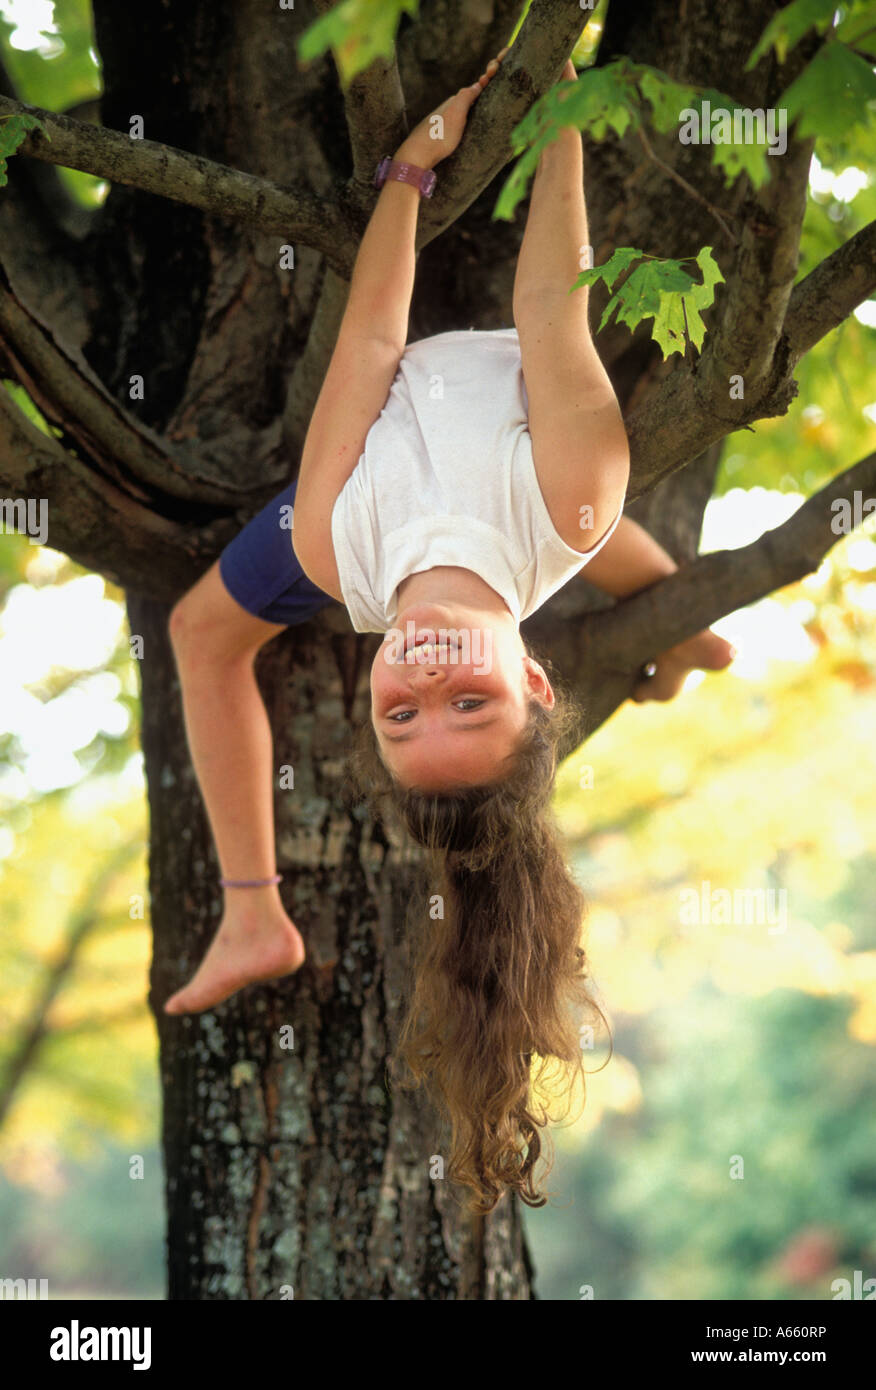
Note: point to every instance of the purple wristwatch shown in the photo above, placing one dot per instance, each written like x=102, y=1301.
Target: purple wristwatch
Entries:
x=389, y=168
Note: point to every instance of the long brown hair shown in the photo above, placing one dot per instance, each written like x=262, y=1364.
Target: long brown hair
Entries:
x=499, y=989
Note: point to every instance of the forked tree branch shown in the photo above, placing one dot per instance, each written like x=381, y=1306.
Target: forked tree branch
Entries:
x=93, y=520
x=831, y=292
x=618, y=641
x=69, y=394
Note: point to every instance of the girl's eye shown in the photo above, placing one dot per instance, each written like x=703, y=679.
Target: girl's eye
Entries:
x=466, y=704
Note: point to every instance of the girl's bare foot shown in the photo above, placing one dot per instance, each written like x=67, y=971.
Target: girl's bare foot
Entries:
x=704, y=652
x=256, y=941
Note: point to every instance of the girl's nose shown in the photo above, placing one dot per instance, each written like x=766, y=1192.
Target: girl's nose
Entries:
x=431, y=672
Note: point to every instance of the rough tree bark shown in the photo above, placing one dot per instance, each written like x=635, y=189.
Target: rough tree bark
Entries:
x=297, y=1167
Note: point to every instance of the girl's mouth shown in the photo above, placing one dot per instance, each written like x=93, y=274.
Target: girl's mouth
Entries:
x=421, y=646
x=429, y=653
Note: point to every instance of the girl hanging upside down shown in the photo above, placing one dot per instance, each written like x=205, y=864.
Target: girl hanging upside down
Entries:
x=447, y=489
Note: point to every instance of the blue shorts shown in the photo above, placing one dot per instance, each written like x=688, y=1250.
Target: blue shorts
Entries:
x=260, y=570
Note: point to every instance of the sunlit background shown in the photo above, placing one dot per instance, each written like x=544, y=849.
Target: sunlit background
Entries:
x=731, y=1041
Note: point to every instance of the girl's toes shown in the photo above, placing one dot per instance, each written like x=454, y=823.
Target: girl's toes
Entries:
x=709, y=652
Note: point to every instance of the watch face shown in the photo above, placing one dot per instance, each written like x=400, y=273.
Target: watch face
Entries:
x=430, y=178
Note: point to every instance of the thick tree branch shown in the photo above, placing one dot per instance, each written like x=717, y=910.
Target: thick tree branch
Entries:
x=374, y=107
x=617, y=642
x=63, y=386
x=294, y=213
x=830, y=292
x=95, y=522
x=751, y=311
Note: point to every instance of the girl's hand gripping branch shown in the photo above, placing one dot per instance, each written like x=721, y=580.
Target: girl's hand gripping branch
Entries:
x=439, y=134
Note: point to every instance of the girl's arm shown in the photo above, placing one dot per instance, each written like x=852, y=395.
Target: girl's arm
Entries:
x=370, y=344
x=371, y=340
x=579, y=444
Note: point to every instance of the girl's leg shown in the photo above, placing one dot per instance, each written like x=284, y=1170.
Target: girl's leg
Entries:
x=215, y=643
x=632, y=560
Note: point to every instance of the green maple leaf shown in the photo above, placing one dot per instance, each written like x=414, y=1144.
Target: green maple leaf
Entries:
x=667, y=98
x=610, y=270
x=786, y=29
x=833, y=93
x=658, y=289
x=680, y=315
x=644, y=294
x=735, y=158
x=13, y=129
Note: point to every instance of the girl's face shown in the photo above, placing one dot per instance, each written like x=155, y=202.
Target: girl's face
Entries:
x=450, y=693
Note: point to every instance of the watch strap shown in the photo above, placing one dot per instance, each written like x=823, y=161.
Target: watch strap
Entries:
x=403, y=172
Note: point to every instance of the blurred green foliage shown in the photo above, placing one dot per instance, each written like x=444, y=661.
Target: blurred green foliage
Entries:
x=651, y=1197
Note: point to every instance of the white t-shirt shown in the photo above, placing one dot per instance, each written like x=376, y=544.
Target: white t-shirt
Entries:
x=447, y=478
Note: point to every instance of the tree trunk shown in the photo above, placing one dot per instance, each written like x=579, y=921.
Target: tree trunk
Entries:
x=291, y=1164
